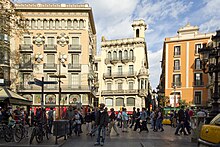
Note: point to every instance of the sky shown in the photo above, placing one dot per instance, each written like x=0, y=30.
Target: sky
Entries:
x=113, y=19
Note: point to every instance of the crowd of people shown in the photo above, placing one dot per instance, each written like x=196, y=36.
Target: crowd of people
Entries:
x=101, y=122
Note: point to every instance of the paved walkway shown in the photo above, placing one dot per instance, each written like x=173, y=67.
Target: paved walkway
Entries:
x=135, y=139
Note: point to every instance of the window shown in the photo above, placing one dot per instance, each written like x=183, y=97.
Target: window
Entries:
x=198, y=64
x=109, y=70
x=125, y=54
x=109, y=55
x=75, y=40
x=26, y=58
x=120, y=55
x=109, y=102
x=63, y=23
x=131, y=54
x=50, y=58
x=50, y=40
x=198, y=79
x=39, y=23
x=75, y=80
x=114, y=55
x=120, y=70
x=81, y=23
x=131, y=69
x=75, y=24
x=57, y=24
x=109, y=86
x=50, y=79
x=120, y=86
x=130, y=101
x=119, y=102
x=198, y=97
x=197, y=46
x=45, y=24
x=176, y=64
x=177, y=50
x=177, y=79
x=27, y=40
x=74, y=59
x=137, y=33
x=142, y=83
x=33, y=24
x=51, y=24
x=131, y=85
x=69, y=24
x=26, y=79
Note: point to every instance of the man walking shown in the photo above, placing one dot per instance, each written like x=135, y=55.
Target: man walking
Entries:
x=112, y=123
x=50, y=120
x=101, y=122
x=143, y=118
x=133, y=117
x=70, y=115
x=181, y=117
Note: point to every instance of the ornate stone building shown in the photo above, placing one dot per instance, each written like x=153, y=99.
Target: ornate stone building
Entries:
x=61, y=40
x=124, y=71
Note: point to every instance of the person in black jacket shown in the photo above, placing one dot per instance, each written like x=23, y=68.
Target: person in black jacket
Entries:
x=88, y=120
x=112, y=123
x=133, y=117
x=181, y=119
x=137, y=119
x=101, y=122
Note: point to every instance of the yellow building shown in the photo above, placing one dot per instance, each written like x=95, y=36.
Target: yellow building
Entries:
x=61, y=40
x=182, y=77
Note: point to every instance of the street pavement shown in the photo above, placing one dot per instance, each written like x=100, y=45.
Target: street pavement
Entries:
x=135, y=139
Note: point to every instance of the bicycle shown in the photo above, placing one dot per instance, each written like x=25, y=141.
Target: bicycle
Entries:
x=20, y=132
x=39, y=131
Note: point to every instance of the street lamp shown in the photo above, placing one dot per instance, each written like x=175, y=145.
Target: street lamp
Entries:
x=210, y=56
x=174, y=96
x=62, y=59
x=153, y=101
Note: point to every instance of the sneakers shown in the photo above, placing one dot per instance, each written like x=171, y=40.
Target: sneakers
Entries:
x=96, y=144
x=177, y=134
x=101, y=143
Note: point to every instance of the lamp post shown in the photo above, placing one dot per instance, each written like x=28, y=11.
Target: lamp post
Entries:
x=62, y=59
x=153, y=101
x=210, y=56
x=174, y=96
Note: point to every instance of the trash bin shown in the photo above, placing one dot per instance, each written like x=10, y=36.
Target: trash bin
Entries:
x=61, y=129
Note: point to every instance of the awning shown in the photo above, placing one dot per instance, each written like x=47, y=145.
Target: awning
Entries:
x=13, y=97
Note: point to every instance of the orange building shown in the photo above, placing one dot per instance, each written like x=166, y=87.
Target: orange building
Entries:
x=182, y=78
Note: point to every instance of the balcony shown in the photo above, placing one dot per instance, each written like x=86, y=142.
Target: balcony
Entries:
x=53, y=88
x=198, y=84
x=128, y=59
x=28, y=48
x=117, y=60
x=177, y=84
x=74, y=67
x=3, y=61
x=26, y=66
x=176, y=68
x=120, y=75
x=50, y=67
x=48, y=48
x=74, y=48
x=120, y=92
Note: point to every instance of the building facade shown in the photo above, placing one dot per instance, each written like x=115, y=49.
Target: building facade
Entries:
x=124, y=71
x=61, y=41
x=182, y=78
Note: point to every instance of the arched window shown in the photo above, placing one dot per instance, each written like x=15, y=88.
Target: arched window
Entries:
x=63, y=23
x=114, y=55
x=131, y=54
x=109, y=55
x=137, y=33
x=125, y=54
x=81, y=23
x=27, y=22
x=69, y=24
x=119, y=102
x=109, y=102
x=130, y=101
x=39, y=24
x=45, y=24
x=33, y=24
x=75, y=24
x=57, y=24
x=120, y=55
x=51, y=24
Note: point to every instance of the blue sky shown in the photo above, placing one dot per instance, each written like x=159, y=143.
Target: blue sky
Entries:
x=113, y=19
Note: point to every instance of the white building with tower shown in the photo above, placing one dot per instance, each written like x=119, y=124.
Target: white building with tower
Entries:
x=124, y=71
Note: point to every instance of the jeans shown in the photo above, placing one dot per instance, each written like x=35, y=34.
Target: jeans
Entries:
x=50, y=124
x=159, y=124
x=77, y=129
x=101, y=134
x=143, y=126
x=112, y=124
x=180, y=125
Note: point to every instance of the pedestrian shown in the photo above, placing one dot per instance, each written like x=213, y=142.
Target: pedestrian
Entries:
x=50, y=120
x=133, y=117
x=137, y=120
x=101, y=123
x=201, y=116
x=143, y=119
x=88, y=120
x=119, y=119
x=70, y=116
x=112, y=123
x=77, y=122
x=187, y=121
x=152, y=119
x=181, y=119
x=124, y=120
x=159, y=120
